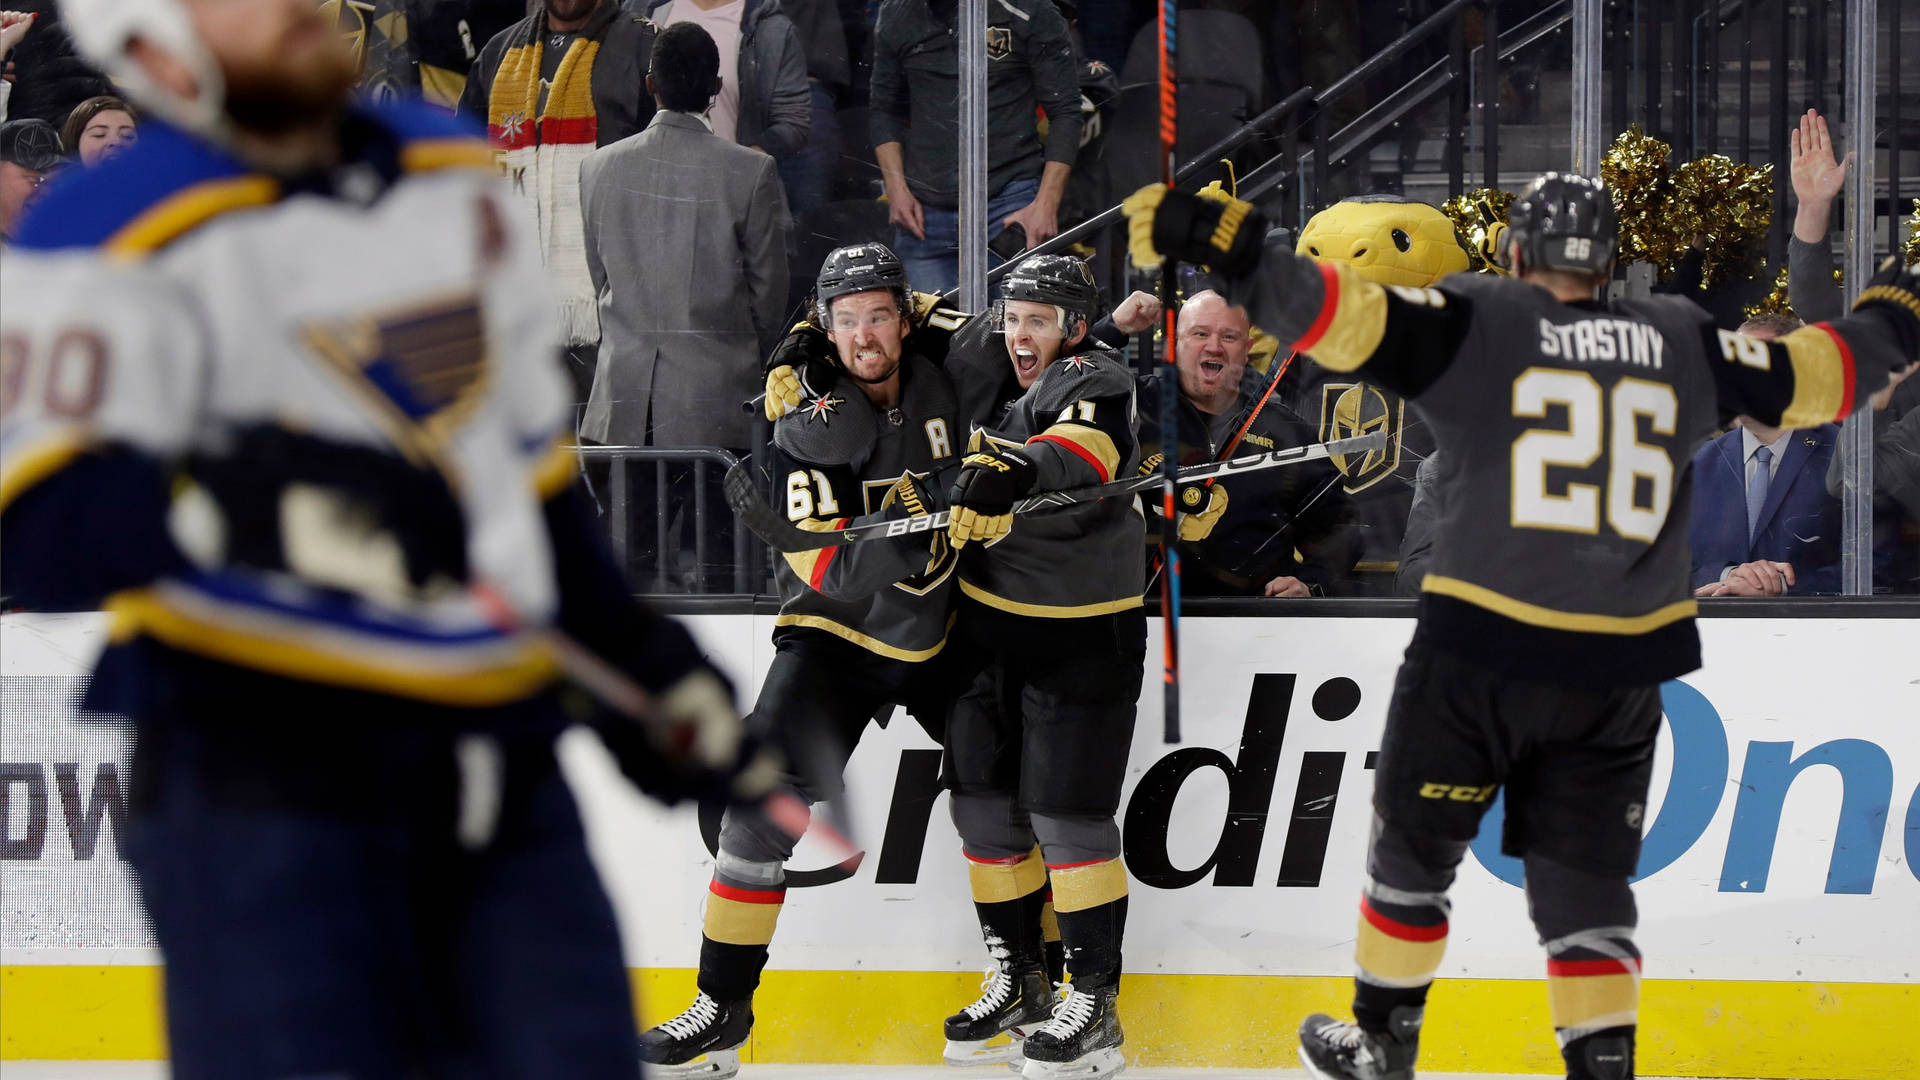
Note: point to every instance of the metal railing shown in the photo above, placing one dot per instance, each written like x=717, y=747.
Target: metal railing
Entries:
x=705, y=466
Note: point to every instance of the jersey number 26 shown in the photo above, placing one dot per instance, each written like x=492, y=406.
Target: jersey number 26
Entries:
x=1597, y=422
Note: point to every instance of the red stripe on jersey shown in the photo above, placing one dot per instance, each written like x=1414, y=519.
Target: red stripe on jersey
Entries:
x=1327, y=307
x=1085, y=454
x=1846, y=371
x=826, y=558
x=747, y=896
x=1394, y=928
x=1075, y=866
x=1573, y=969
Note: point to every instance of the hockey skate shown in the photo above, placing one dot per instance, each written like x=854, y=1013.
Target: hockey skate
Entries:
x=1081, y=1042
x=702, y=1043
x=1012, y=1005
x=1336, y=1050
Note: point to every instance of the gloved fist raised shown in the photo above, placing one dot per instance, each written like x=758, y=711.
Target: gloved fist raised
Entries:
x=1200, y=509
x=1213, y=229
x=801, y=365
x=984, y=493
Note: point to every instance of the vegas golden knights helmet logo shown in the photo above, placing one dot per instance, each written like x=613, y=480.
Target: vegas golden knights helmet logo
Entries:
x=1348, y=410
x=999, y=42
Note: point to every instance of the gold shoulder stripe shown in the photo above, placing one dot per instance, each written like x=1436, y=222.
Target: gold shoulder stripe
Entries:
x=1534, y=615
x=1822, y=378
x=147, y=611
x=25, y=468
x=1090, y=441
x=556, y=469
x=188, y=209
x=431, y=155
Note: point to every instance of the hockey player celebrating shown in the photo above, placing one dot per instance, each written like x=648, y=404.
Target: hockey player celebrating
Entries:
x=1567, y=426
x=281, y=389
x=1039, y=749
x=859, y=628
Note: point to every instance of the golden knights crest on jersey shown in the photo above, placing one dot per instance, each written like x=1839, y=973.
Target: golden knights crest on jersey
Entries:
x=1349, y=409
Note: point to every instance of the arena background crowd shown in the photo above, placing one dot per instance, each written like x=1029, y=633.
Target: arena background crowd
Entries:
x=685, y=235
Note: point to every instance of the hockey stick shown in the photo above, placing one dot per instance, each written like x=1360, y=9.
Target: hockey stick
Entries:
x=767, y=523
x=618, y=691
x=1169, y=389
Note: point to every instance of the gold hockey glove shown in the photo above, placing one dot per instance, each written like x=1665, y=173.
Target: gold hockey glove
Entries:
x=1197, y=525
x=1213, y=229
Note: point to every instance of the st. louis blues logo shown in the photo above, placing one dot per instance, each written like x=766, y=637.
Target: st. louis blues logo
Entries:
x=823, y=406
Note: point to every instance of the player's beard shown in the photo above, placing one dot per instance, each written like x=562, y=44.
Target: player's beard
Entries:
x=875, y=380
x=569, y=10
x=290, y=92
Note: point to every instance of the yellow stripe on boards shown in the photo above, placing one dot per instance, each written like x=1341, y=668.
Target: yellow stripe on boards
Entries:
x=1813, y=1031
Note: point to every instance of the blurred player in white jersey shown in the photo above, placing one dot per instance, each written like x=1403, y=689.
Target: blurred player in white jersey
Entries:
x=282, y=394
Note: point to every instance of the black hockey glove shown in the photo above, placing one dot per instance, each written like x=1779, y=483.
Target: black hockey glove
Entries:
x=1215, y=229
x=803, y=361
x=984, y=493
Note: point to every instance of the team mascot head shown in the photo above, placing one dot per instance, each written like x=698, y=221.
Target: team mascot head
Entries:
x=1386, y=239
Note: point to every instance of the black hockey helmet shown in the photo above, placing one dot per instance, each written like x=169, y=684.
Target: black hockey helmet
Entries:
x=1565, y=222
x=859, y=268
x=1060, y=280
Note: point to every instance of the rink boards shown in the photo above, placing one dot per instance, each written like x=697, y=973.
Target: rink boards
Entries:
x=1780, y=901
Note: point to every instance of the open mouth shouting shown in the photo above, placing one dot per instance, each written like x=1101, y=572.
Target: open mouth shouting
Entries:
x=1026, y=363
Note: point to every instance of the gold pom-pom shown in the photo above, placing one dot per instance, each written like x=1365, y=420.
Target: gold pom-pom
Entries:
x=1635, y=169
x=1776, y=302
x=1480, y=216
x=1721, y=204
x=1913, y=236
x=1725, y=206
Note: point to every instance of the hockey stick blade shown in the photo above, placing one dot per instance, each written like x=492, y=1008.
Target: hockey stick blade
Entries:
x=766, y=523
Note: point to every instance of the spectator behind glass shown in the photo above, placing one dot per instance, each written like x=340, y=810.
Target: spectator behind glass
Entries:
x=1763, y=523
x=544, y=125
x=808, y=175
x=13, y=26
x=1284, y=531
x=29, y=150
x=686, y=242
x=763, y=101
x=1817, y=181
x=49, y=78
x=99, y=128
x=915, y=124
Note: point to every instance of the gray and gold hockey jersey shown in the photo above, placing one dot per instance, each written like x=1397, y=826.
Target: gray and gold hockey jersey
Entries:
x=1567, y=432
x=840, y=460
x=1079, y=425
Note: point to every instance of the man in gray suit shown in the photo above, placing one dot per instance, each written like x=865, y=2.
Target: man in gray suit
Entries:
x=686, y=243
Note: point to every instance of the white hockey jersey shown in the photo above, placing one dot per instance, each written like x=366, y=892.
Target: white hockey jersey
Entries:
x=178, y=304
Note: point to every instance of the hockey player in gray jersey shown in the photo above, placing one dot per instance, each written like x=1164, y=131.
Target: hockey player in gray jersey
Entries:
x=1038, y=749
x=861, y=626
x=1557, y=598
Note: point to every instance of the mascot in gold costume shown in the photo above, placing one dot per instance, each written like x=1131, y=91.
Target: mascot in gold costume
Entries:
x=1390, y=241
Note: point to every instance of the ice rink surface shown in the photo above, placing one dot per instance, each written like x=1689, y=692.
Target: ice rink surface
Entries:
x=158, y=1071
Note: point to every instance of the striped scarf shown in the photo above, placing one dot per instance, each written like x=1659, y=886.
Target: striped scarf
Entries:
x=542, y=155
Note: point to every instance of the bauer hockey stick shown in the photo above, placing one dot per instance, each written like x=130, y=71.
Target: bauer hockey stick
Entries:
x=770, y=526
x=1169, y=389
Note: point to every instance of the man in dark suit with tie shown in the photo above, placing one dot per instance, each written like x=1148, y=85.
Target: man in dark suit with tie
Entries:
x=1763, y=523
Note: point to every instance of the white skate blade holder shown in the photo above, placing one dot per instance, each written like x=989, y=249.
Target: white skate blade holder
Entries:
x=1095, y=1066
x=962, y=1053
x=712, y=1065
